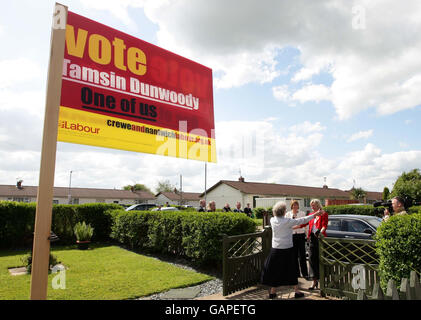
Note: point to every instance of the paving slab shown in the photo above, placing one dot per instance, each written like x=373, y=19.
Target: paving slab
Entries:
x=181, y=293
x=17, y=271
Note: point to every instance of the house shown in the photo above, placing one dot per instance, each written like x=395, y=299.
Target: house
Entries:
x=177, y=198
x=370, y=197
x=61, y=195
x=231, y=192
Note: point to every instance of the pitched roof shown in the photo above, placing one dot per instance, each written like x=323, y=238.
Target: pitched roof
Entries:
x=192, y=196
x=63, y=192
x=280, y=190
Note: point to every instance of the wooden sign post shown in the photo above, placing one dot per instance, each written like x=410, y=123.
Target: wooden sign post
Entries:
x=41, y=246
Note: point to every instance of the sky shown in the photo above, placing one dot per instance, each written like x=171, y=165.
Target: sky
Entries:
x=304, y=91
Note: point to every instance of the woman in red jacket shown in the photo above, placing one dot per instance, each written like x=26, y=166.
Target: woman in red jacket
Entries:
x=315, y=227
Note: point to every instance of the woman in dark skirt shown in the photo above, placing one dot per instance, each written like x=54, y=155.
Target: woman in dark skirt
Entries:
x=280, y=267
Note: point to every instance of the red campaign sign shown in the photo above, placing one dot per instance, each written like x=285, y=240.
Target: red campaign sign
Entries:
x=108, y=72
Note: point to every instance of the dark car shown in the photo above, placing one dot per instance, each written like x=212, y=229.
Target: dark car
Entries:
x=141, y=207
x=352, y=226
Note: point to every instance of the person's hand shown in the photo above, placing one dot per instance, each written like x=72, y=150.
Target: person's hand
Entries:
x=318, y=213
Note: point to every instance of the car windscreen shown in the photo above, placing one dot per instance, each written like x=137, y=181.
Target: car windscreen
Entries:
x=375, y=222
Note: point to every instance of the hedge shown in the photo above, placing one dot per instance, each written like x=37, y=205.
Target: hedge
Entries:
x=367, y=210
x=398, y=246
x=17, y=221
x=196, y=236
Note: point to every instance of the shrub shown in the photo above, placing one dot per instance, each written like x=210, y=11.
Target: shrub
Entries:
x=399, y=247
x=17, y=221
x=414, y=209
x=196, y=236
x=27, y=261
x=83, y=231
x=367, y=210
x=259, y=212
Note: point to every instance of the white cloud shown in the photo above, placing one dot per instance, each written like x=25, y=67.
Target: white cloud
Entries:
x=18, y=71
x=360, y=135
x=373, y=67
x=281, y=93
x=312, y=92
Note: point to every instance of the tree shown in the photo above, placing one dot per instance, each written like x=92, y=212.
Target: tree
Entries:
x=408, y=185
x=386, y=193
x=137, y=187
x=164, y=186
x=358, y=194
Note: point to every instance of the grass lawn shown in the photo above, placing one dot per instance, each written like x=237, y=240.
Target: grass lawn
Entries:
x=104, y=272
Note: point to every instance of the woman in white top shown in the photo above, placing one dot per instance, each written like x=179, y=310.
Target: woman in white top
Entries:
x=279, y=268
x=298, y=239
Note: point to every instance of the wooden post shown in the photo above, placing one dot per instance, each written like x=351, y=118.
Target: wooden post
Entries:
x=225, y=264
x=41, y=246
x=405, y=289
x=321, y=266
x=377, y=292
x=415, y=285
x=392, y=291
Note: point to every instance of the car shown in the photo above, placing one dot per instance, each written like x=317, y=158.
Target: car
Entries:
x=346, y=226
x=352, y=226
x=141, y=207
x=166, y=209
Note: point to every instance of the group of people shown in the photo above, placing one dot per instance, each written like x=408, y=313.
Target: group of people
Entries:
x=212, y=208
x=287, y=258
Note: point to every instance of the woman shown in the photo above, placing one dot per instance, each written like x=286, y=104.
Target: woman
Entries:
x=315, y=228
x=211, y=206
x=280, y=268
x=298, y=239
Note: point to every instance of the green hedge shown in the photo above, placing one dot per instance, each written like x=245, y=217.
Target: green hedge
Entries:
x=196, y=236
x=367, y=210
x=17, y=221
x=399, y=247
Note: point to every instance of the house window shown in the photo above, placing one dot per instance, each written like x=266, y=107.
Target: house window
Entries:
x=100, y=200
x=307, y=202
x=115, y=201
x=27, y=200
x=55, y=201
x=75, y=200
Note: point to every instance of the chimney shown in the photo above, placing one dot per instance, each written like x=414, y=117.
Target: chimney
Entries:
x=241, y=179
x=19, y=184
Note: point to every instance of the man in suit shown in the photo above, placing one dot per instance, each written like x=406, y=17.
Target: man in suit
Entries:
x=238, y=208
x=248, y=211
x=202, y=207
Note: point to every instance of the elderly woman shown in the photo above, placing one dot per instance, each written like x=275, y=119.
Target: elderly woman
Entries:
x=315, y=228
x=280, y=266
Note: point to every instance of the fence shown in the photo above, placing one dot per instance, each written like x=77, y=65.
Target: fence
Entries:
x=410, y=289
x=347, y=265
x=243, y=259
x=349, y=268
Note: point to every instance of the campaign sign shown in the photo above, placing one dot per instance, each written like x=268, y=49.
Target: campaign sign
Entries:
x=121, y=92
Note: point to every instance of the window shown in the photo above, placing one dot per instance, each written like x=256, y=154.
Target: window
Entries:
x=355, y=226
x=307, y=202
x=334, y=224
x=55, y=201
x=27, y=200
x=75, y=201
